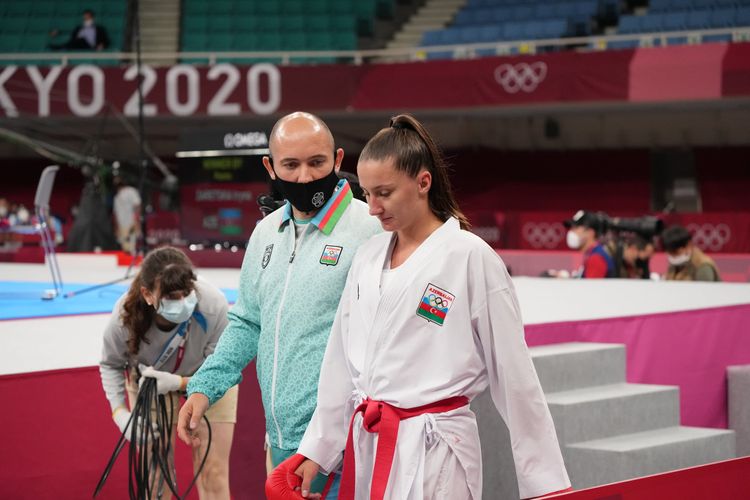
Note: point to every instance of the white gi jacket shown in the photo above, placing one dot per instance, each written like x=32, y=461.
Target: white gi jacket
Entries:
x=447, y=325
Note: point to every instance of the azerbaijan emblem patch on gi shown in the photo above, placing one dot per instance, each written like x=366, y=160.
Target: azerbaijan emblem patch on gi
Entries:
x=266, y=256
x=435, y=304
x=331, y=254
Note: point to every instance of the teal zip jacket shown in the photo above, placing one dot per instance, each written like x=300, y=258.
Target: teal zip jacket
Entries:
x=289, y=291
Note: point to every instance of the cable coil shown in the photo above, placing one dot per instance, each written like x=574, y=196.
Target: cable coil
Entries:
x=150, y=452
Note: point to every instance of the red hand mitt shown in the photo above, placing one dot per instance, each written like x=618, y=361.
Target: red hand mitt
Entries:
x=282, y=481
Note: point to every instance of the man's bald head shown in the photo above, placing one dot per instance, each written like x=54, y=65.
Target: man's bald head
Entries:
x=299, y=126
x=302, y=149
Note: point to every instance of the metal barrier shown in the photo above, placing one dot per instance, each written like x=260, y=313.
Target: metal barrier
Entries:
x=358, y=57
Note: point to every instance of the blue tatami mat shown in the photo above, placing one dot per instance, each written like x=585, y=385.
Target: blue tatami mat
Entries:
x=22, y=299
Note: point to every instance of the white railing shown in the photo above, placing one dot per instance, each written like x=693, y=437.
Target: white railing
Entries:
x=357, y=57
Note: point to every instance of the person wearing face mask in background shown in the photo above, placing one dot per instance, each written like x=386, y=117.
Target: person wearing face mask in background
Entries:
x=584, y=230
x=164, y=327
x=632, y=255
x=87, y=36
x=292, y=276
x=686, y=261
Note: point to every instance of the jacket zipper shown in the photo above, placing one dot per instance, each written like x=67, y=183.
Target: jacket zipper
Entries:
x=278, y=327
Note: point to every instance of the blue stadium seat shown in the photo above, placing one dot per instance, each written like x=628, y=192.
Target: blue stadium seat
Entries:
x=659, y=5
x=533, y=29
x=467, y=35
x=433, y=37
x=466, y=17
x=743, y=16
x=451, y=37
x=717, y=38
x=523, y=13
x=630, y=24
x=500, y=15
x=698, y=19
x=723, y=18
x=677, y=40
x=652, y=23
x=622, y=44
x=512, y=31
x=490, y=33
x=674, y=21
x=680, y=5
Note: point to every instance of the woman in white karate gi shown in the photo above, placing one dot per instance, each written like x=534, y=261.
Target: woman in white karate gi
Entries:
x=428, y=319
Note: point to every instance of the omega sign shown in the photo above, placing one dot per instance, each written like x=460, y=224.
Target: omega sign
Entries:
x=179, y=90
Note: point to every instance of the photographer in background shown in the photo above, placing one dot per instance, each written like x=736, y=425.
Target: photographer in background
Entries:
x=632, y=255
x=686, y=261
x=584, y=231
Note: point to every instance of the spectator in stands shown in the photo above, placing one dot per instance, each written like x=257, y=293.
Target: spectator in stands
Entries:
x=127, y=209
x=686, y=261
x=584, y=230
x=18, y=215
x=87, y=36
x=632, y=255
x=4, y=207
x=4, y=221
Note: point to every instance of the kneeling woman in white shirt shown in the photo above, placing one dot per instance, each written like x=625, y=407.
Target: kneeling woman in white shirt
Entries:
x=428, y=319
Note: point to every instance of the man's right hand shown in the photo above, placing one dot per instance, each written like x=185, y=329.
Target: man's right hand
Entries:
x=190, y=416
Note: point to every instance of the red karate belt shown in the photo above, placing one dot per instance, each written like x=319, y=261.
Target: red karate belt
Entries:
x=384, y=419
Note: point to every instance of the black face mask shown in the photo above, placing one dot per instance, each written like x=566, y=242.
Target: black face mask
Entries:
x=643, y=267
x=308, y=196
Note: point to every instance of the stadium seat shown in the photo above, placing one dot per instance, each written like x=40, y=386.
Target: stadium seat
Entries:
x=337, y=22
x=674, y=21
x=698, y=19
x=630, y=24
x=723, y=18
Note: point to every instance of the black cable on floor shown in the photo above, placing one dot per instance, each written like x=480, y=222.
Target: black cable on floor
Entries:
x=146, y=462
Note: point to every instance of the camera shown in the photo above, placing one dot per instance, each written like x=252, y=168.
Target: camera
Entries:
x=647, y=226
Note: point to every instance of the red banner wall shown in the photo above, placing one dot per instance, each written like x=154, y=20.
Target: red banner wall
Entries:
x=715, y=232
x=702, y=71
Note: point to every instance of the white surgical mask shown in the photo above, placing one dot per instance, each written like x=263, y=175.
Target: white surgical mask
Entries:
x=573, y=240
x=23, y=215
x=178, y=311
x=678, y=260
x=3, y=211
x=88, y=22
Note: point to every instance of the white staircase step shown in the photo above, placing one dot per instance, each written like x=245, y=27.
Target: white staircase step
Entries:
x=610, y=410
x=573, y=365
x=408, y=37
x=434, y=14
x=627, y=456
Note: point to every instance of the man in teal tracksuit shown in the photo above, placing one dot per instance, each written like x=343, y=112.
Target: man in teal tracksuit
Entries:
x=292, y=276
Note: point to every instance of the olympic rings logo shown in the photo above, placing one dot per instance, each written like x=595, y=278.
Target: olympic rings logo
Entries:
x=709, y=236
x=543, y=235
x=437, y=301
x=521, y=77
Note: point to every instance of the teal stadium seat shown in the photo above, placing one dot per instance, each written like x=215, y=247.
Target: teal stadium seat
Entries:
x=288, y=25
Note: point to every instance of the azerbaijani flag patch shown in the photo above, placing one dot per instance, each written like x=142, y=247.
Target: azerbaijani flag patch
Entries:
x=331, y=254
x=435, y=304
